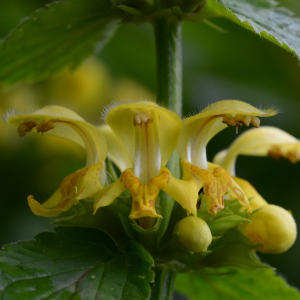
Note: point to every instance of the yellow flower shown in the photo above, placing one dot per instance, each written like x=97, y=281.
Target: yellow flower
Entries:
x=272, y=228
x=84, y=183
x=141, y=138
x=263, y=141
x=256, y=200
x=197, y=132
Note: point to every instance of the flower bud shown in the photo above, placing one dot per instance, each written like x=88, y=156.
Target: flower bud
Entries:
x=194, y=234
x=272, y=227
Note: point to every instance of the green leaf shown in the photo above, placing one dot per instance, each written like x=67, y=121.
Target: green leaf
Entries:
x=74, y=263
x=227, y=218
x=234, y=284
x=56, y=37
x=263, y=17
x=226, y=222
x=106, y=219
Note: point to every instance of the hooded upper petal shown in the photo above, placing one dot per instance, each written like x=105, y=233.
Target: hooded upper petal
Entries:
x=167, y=126
x=199, y=129
x=263, y=141
x=62, y=122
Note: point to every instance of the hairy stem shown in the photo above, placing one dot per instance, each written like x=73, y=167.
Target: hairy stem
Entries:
x=169, y=63
x=169, y=91
x=163, y=286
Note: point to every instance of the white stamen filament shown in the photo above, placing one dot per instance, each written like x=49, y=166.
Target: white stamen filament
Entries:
x=147, y=152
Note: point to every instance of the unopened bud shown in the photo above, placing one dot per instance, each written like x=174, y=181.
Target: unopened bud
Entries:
x=272, y=227
x=194, y=234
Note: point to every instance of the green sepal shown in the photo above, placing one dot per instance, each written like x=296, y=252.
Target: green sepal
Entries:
x=147, y=237
x=227, y=218
x=224, y=223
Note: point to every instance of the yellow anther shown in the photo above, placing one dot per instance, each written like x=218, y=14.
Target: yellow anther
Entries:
x=276, y=152
x=26, y=127
x=44, y=127
x=292, y=156
x=255, y=121
x=140, y=118
x=247, y=120
x=242, y=119
x=229, y=120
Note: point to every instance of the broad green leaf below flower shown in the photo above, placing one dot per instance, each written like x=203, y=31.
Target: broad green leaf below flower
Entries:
x=74, y=263
x=234, y=283
x=263, y=17
x=59, y=36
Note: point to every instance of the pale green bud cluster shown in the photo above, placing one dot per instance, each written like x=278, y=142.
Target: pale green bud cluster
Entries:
x=194, y=234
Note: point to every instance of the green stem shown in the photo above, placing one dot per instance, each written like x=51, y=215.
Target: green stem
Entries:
x=169, y=63
x=163, y=286
x=169, y=91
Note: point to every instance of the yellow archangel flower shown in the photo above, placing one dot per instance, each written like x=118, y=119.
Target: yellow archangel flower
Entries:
x=263, y=141
x=141, y=138
x=272, y=227
x=84, y=183
x=197, y=132
x=148, y=134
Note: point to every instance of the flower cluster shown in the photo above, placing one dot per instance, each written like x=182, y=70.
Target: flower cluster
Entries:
x=139, y=138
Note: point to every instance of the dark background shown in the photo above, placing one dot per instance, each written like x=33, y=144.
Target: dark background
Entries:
x=216, y=66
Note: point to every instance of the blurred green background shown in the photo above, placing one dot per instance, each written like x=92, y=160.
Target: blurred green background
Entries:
x=216, y=66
